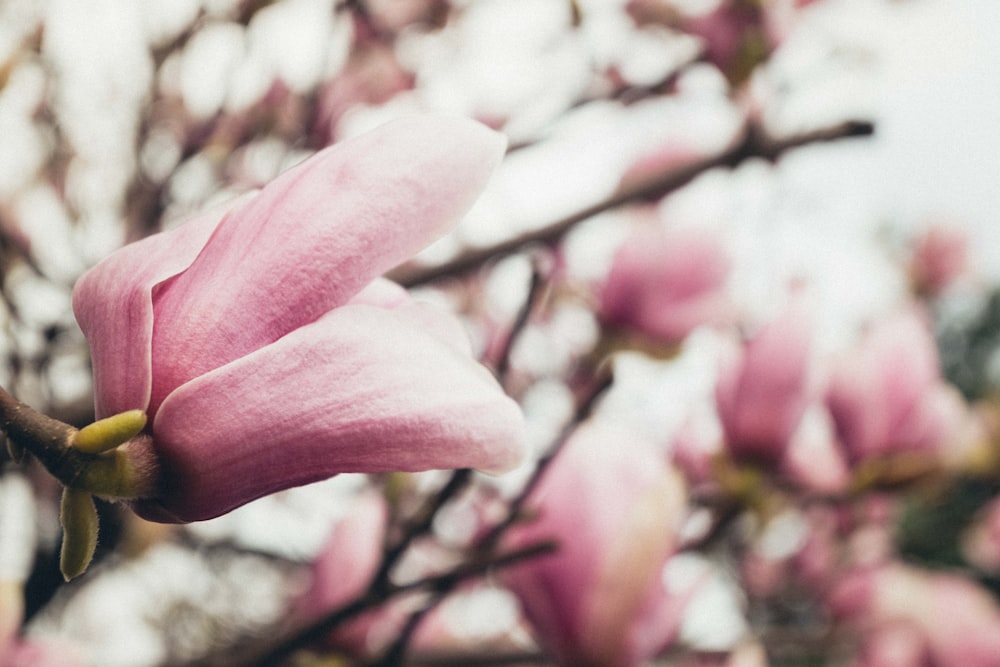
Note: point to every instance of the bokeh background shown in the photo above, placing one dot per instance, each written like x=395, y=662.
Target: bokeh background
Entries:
x=118, y=118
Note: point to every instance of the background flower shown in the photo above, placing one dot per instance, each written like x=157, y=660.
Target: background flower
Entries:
x=665, y=282
x=764, y=388
x=615, y=508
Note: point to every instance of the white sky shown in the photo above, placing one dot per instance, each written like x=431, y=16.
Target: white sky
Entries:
x=938, y=142
x=942, y=137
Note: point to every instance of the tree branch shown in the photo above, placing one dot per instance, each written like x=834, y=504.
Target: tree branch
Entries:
x=753, y=144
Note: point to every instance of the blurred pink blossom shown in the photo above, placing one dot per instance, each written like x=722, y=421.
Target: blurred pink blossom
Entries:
x=815, y=564
x=896, y=643
x=615, y=509
x=17, y=651
x=887, y=396
x=764, y=388
x=31, y=653
x=981, y=542
x=655, y=161
x=939, y=256
x=958, y=620
x=736, y=35
x=266, y=351
x=813, y=460
x=345, y=568
x=665, y=282
x=732, y=36
x=694, y=449
x=372, y=75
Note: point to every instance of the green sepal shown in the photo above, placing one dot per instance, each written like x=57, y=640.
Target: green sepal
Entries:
x=110, y=432
x=78, y=516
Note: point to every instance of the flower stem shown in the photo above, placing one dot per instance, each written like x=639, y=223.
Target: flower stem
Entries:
x=47, y=438
x=122, y=472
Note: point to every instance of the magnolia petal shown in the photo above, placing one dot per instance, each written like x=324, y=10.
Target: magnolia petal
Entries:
x=315, y=236
x=447, y=330
x=903, y=353
x=877, y=394
x=648, y=533
x=349, y=560
x=383, y=293
x=114, y=306
x=344, y=569
x=363, y=389
x=615, y=508
x=664, y=283
x=764, y=390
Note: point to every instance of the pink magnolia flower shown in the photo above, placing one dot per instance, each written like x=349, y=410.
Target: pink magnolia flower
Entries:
x=887, y=395
x=736, y=35
x=813, y=460
x=958, y=621
x=732, y=37
x=656, y=160
x=764, y=389
x=345, y=569
x=665, y=282
x=29, y=653
x=939, y=257
x=895, y=643
x=694, y=448
x=981, y=541
x=372, y=76
x=816, y=563
x=266, y=351
x=615, y=508
x=18, y=651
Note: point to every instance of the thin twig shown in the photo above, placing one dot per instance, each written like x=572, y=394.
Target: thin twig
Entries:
x=537, y=282
x=585, y=406
x=753, y=144
x=438, y=584
x=421, y=523
x=395, y=654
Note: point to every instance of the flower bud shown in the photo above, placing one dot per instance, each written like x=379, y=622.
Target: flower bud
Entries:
x=664, y=283
x=615, y=508
x=764, y=388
